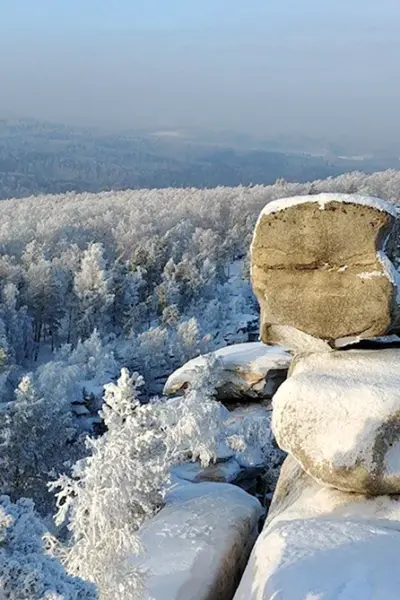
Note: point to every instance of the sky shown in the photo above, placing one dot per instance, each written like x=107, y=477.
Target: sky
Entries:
x=267, y=68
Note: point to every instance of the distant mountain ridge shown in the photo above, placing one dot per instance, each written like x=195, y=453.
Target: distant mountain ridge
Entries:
x=37, y=157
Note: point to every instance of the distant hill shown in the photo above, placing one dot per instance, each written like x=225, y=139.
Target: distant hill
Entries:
x=37, y=157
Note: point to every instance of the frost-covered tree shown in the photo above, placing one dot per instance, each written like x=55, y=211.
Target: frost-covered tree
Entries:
x=121, y=483
x=113, y=491
x=127, y=312
x=43, y=293
x=27, y=572
x=194, y=424
x=17, y=323
x=92, y=285
x=187, y=343
x=37, y=438
x=152, y=355
x=94, y=359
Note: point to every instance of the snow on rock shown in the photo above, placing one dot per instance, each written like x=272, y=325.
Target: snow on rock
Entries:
x=321, y=266
x=326, y=198
x=320, y=543
x=197, y=546
x=251, y=370
x=338, y=414
x=226, y=471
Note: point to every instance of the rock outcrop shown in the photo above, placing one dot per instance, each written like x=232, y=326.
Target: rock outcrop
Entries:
x=322, y=277
x=324, y=543
x=246, y=371
x=319, y=267
x=198, y=544
x=338, y=414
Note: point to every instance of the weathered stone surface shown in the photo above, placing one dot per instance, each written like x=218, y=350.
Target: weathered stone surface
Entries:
x=318, y=265
x=197, y=546
x=251, y=370
x=338, y=414
x=323, y=543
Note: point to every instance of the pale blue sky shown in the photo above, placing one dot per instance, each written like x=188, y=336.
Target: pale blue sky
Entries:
x=324, y=67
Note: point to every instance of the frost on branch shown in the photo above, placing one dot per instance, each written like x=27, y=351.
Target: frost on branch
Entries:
x=35, y=431
x=194, y=424
x=113, y=491
x=121, y=484
x=26, y=572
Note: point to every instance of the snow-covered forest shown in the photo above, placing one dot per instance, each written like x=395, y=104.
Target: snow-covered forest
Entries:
x=92, y=284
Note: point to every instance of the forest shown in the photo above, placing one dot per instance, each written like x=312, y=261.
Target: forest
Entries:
x=39, y=157
x=102, y=296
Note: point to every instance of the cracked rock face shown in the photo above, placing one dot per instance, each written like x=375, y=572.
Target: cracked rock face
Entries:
x=321, y=269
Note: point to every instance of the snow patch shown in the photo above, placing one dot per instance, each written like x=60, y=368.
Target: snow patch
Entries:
x=390, y=272
x=392, y=460
x=324, y=199
x=370, y=274
x=226, y=471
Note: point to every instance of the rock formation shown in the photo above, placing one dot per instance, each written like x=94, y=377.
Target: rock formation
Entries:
x=320, y=267
x=322, y=278
x=322, y=543
x=251, y=371
x=338, y=414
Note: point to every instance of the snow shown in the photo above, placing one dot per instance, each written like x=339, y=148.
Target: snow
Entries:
x=390, y=272
x=254, y=453
x=324, y=559
x=370, y=274
x=332, y=408
x=392, y=459
x=325, y=544
x=226, y=471
x=245, y=366
x=80, y=410
x=326, y=198
x=236, y=268
x=197, y=545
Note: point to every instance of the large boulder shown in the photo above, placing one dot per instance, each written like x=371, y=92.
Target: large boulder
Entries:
x=319, y=268
x=251, y=370
x=197, y=546
x=324, y=543
x=338, y=414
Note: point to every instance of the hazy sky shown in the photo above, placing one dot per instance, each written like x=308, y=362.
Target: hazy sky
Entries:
x=325, y=67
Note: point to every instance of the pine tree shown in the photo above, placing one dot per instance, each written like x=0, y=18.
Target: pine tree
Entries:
x=92, y=285
x=27, y=572
x=113, y=491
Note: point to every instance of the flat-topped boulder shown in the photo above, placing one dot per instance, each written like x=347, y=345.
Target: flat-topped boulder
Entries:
x=251, y=370
x=197, y=546
x=319, y=266
x=324, y=543
x=338, y=414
